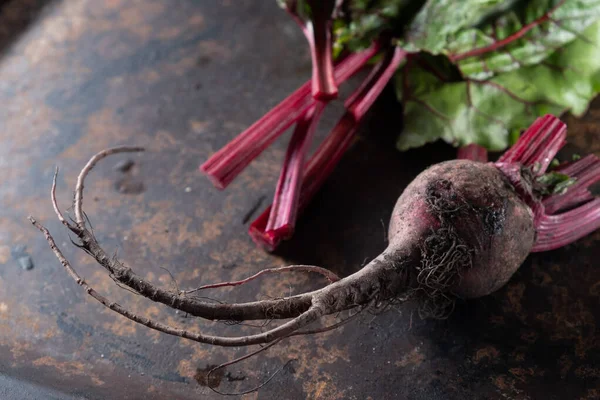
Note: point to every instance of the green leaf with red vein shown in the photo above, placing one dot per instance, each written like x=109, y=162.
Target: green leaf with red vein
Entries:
x=438, y=23
x=488, y=112
x=522, y=37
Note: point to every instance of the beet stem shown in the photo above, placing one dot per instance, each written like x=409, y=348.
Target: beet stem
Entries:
x=578, y=210
x=538, y=145
x=473, y=152
x=363, y=98
x=319, y=37
x=318, y=32
x=556, y=231
x=224, y=166
x=586, y=172
x=330, y=152
x=285, y=203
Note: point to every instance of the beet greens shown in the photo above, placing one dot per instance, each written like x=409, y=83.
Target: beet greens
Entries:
x=470, y=73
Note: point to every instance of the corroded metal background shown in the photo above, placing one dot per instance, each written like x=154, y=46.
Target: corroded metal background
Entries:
x=182, y=78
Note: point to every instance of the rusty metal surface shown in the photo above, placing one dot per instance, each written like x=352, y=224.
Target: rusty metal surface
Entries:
x=182, y=78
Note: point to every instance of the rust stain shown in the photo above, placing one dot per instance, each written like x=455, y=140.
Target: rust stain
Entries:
x=105, y=129
x=592, y=394
x=26, y=116
x=136, y=22
x=332, y=353
x=196, y=20
x=196, y=355
x=149, y=231
x=507, y=387
x=187, y=368
x=413, y=358
x=112, y=47
x=323, y=389
x=518, y=356
x=199, y=127
x=121, y=327
x=154, y=335
x=4, y=254
x=152, y=311
x=587, y=372
x=164, y=140
x=169, y=32
x=566, y=364
x=571, y=320
x=214, y=49
x=530, y=336
x=320, y=387
x=99, y=278
x=489, y=352
x=180, y=67
x=19, y=321
x=514, y=296
x=318, y=383
x=501, y=382
x=19, y=349
x=68, y=368
x=522, y=373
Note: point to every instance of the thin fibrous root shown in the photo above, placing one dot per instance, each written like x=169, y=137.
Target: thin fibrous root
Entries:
x=78, y=202
x=266, y=337
x=331, y=277
x=302, y=308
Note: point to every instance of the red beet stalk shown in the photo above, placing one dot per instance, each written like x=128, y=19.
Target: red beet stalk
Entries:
x=473, y=152
x=318, y=32
x=226, y=164
x=333, y=147
x=282, y=218
x=587, y=172
x=560, y=219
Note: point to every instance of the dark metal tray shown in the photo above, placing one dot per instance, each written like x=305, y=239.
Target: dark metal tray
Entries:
x=182, y=78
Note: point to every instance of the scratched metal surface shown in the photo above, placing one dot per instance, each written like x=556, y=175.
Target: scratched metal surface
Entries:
x=182, y=78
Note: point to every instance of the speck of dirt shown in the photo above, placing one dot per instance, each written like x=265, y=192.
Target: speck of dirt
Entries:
x=26, y=263
x=124, y=166
x=234, y=378
x=203, y=60
x=201, y=376
x=20, y=254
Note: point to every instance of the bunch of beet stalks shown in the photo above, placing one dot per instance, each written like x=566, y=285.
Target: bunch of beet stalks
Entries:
x=300, y=178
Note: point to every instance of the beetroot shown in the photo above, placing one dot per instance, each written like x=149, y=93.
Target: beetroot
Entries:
x=471, y=228
x=460, y=230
